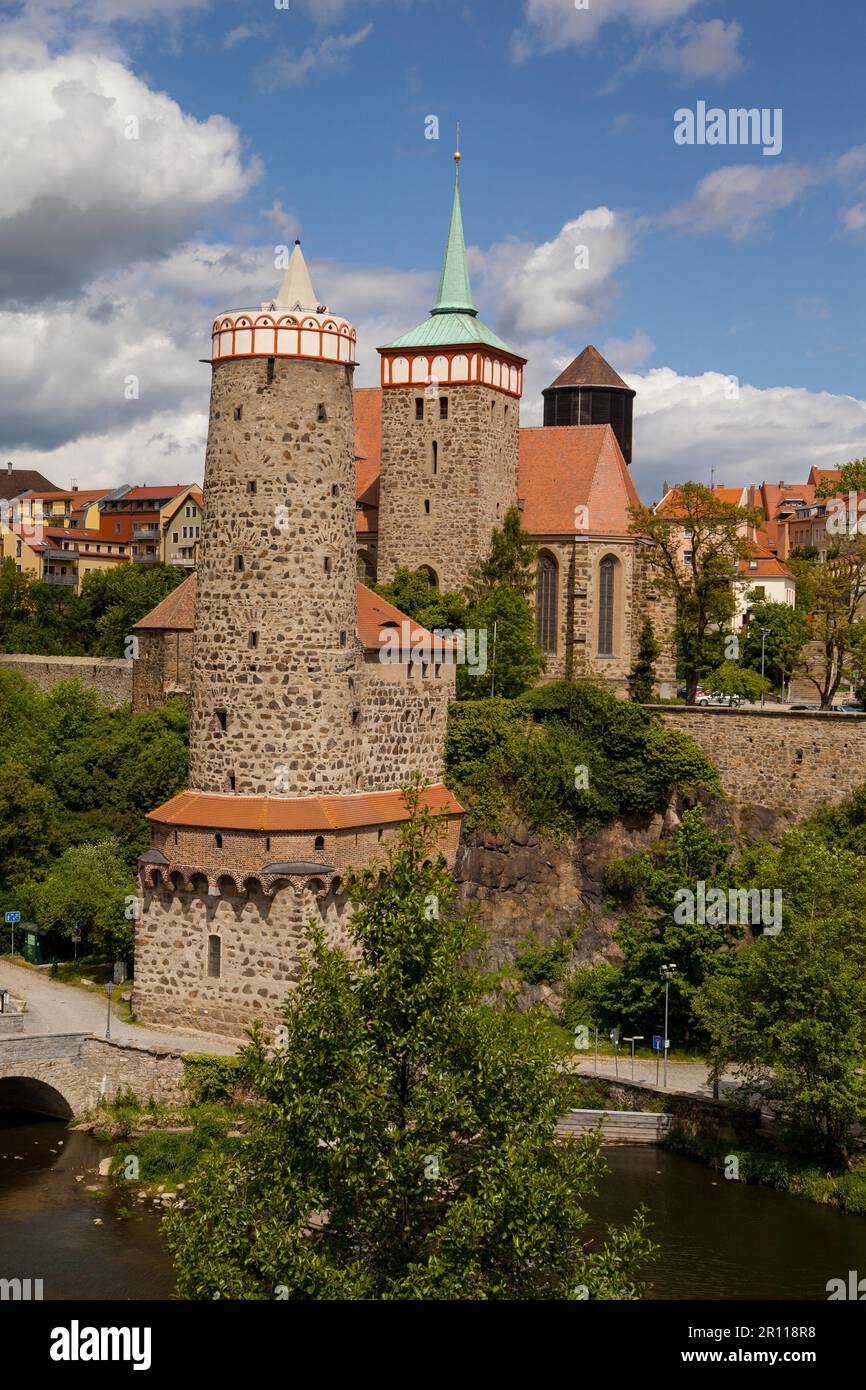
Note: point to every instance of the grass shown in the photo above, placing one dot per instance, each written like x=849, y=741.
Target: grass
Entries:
x=562, y=1039
x=790, y=1173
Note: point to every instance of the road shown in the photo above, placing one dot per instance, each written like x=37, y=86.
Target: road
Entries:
x=53, y=1007
x=682, y=1076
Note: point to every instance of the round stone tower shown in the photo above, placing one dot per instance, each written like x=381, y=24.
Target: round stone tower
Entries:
x=272, y=687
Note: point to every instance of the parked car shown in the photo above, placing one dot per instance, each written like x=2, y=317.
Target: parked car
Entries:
x=717, y=698
x=851, y=707
x=802, y=708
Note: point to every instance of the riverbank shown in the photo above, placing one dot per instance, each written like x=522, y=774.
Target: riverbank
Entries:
x=761, y=1165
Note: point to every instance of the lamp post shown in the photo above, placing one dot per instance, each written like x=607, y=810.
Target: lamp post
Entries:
x=667, y=974
x=765, y=632
x=108, y=990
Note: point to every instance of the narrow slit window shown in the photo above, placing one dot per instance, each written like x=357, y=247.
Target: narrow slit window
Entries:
x=419, y=407
x=251, y=488
x=271, y=365
x=218, y=841
x=319, y=842
x=239, y=563
x=327, y=564
x=239, y=412
x=214, y=957
x=232, y=782
x=222, y=719
x=254, y=639
x=443, y=407
x=435, y=458
x=427, y=505
x=321, y=413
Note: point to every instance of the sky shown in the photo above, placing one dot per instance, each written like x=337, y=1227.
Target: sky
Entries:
x=157, y=154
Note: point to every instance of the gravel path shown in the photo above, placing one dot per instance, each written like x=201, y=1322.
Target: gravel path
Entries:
x=53, y=1007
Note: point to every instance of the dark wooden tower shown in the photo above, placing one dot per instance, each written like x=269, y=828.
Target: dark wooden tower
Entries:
x=590, y=392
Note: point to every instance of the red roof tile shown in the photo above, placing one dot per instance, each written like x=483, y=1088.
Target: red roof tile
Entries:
x=589, y=368
x=568, y=466
x=271, y=813
x=174, y=613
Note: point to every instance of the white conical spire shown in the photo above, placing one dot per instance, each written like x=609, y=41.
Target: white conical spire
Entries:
x=296, y=291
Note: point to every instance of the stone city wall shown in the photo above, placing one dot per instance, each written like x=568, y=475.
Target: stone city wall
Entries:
x=110, y=678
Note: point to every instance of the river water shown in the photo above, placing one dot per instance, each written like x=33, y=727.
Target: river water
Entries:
x=719, y=1240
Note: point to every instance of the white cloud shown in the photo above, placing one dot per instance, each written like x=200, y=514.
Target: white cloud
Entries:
x=738, y=199
x=552, y=25
x=708, y=49
x=285, y=69
x=854, y=218
x=79, y=195
x=685, y=423
x=546, y=289
x=626, y=354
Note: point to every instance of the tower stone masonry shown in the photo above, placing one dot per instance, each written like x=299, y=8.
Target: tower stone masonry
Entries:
x=450, y=432
x=302, y=734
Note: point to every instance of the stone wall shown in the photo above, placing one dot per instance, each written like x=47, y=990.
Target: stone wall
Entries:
x=790, y=762
x=67, y=1073
x=692, y=1115
x=110, y=678
x=161, y=669
x=440, y=510
x=403, y=719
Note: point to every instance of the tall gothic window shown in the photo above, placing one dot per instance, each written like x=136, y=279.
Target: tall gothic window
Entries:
x=545, y=602
x=606, y=573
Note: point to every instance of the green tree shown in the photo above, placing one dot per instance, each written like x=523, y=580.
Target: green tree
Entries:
x=511, y=560
x=701, y=586
x=27, y=814
x=414, y=593
x=502, y=617
x=404, y=1144
x=787, y=632
x=733, y=679
x=642, y=679
x=831, y=593
x=114, y=600
x=90, y=883
x=852, y=478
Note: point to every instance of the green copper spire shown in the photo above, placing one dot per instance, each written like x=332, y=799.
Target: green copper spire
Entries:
x=455, y=293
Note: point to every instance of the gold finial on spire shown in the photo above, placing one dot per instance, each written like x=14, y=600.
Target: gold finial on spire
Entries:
x=457, y=155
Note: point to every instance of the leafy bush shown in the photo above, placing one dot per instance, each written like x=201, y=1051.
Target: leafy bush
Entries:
x=210, y=1077
x=544, y=965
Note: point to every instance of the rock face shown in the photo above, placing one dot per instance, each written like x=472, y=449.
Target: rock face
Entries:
x=522, y=886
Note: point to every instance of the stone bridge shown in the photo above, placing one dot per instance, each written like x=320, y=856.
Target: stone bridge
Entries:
x=65, y=1074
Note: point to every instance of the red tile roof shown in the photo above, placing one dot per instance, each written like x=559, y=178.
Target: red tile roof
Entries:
x=270, y=813
x=569, y=466
x=174, y=613
x=143, y=494
x=376, y=618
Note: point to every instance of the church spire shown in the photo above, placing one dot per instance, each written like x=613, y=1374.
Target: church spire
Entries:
x=455, y=293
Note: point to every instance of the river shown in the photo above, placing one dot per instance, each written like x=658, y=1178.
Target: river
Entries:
x=719, y=1240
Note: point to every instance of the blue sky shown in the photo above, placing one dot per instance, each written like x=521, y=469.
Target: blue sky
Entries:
x=706, y=262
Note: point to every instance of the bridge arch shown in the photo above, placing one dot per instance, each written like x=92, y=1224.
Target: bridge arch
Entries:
x=29, y=1093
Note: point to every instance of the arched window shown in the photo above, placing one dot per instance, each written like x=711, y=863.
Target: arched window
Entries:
x=214, y=957
x=546, y=586
x=431, y=575
x=606, y=598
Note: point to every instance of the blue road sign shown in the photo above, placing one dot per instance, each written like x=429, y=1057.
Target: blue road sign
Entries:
x=13, y=917
x=658, y=1042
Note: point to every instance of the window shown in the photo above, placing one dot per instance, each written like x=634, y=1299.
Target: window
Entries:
x=435, y=458
x=335, y=489
x=443, y=407
x=218, y=841
x=214, y=957
x=254, y=639
x=606, y=571
x=174, y=536
x=546, y=585
x=419, y=407
x=239, y=412
x=327, y=564
x=232, y=782
x=321, y=413
x=222, y=718
x=342, y=639
x=251, y=488
x=427, y=505
x=239, y=563
x=319, y=842
x=271, y=365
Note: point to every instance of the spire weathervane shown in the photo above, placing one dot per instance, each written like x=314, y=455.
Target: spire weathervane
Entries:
x=457, y=155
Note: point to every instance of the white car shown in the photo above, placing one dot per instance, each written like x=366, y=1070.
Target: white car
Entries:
x=717, y=698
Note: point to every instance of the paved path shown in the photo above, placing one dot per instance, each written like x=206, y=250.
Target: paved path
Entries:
x=53, y=1007
x=682, y=1076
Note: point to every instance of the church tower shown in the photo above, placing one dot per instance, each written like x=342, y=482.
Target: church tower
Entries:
x=450, y=428
x=307, y=717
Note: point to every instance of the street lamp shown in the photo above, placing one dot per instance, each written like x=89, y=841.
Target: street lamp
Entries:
x=667, y=974
x=765, y=632
x=638, y=1037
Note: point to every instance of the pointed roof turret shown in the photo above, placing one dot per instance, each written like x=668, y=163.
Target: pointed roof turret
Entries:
x=454, y=319
x=455, y=292
x=296, y=291
x=589, y=368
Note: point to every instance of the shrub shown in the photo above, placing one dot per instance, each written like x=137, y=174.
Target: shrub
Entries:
x=211, y=1078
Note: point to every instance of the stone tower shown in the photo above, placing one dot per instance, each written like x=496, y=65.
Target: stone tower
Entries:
x=450, y=429
x=280, y=488
x=312, y=702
